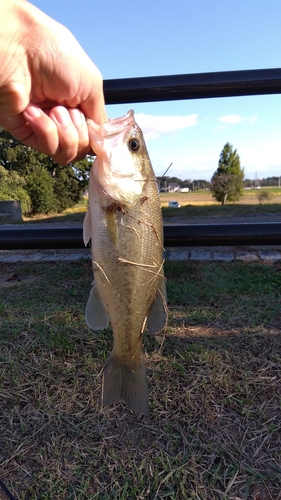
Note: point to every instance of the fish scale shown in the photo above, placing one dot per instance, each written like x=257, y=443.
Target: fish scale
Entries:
x=125, y=228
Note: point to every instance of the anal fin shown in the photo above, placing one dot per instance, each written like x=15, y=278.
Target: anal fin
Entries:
x=95, y=314
x=157, y=316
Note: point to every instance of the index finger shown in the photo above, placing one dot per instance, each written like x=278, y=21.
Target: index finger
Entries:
x=94, y=107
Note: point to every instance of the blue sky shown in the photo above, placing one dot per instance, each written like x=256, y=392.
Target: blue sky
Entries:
x=162, y=37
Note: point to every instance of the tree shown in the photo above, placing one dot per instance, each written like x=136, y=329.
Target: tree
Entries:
x=49, y=187
x=227, y=181
x=264, y=196
x=12, y=187
x=67, y=188
x=40, y=187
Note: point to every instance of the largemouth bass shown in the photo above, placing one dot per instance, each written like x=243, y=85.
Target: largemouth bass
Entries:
x=124, y=223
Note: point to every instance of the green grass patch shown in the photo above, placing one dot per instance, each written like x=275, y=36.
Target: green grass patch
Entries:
x=213, y=430
x=230, y=209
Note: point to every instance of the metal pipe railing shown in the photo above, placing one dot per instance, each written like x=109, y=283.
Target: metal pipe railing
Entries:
x=180, y=236
x=167, y=88
x=193, y=86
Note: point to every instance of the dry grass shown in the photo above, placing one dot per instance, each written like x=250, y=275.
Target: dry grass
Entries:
x=250, y=197
x=193, y=204
x=213, y=431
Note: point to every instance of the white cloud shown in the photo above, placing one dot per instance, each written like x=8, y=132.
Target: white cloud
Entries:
x=154, y=127
x=231, y=119
x=234, y=120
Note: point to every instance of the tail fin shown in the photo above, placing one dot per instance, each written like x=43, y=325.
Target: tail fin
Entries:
x=127, y=382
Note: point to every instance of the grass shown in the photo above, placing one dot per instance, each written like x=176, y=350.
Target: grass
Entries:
x=213, y=430
x=222, y=211
x=184, y=211
x=204, y=197
x=201, y=203
x=74, y=214
x=193, y=204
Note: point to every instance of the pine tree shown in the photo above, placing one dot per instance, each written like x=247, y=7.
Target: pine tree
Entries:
x=227, y=181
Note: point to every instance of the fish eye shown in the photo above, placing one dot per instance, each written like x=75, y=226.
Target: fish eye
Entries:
x=134, y=145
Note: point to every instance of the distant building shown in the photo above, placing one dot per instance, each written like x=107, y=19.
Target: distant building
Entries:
x=173, y=187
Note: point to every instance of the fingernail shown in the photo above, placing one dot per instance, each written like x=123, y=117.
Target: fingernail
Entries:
x=61, y=115
x=77, y=117
x=33, y=111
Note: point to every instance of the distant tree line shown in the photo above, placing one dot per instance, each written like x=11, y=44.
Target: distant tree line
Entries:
x=192, y=185
x=269, y=181
x=36, y=180
x=196, y=184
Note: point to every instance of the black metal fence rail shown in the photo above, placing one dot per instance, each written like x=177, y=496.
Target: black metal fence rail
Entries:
x=193, y=86
x=167, y=88
x=185, y=235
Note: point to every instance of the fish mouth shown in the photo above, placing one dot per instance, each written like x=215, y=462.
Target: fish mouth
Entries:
x=118, y=171
x=115, y=125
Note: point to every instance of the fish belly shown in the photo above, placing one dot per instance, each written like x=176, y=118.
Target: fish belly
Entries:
x=127, y=263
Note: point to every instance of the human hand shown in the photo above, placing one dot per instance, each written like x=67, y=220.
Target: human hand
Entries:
x=48, y=85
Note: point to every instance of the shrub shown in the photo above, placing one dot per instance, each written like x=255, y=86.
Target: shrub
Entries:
x=264, y=196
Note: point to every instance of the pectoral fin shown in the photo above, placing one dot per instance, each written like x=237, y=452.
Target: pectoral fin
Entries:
x=95, y=314
x=157, y=316
x=87, y=228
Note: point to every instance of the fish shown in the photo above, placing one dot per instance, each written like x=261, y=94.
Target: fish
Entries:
x=124, y=225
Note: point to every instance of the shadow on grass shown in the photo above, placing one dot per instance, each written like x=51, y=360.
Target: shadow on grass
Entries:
x=69, y=217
